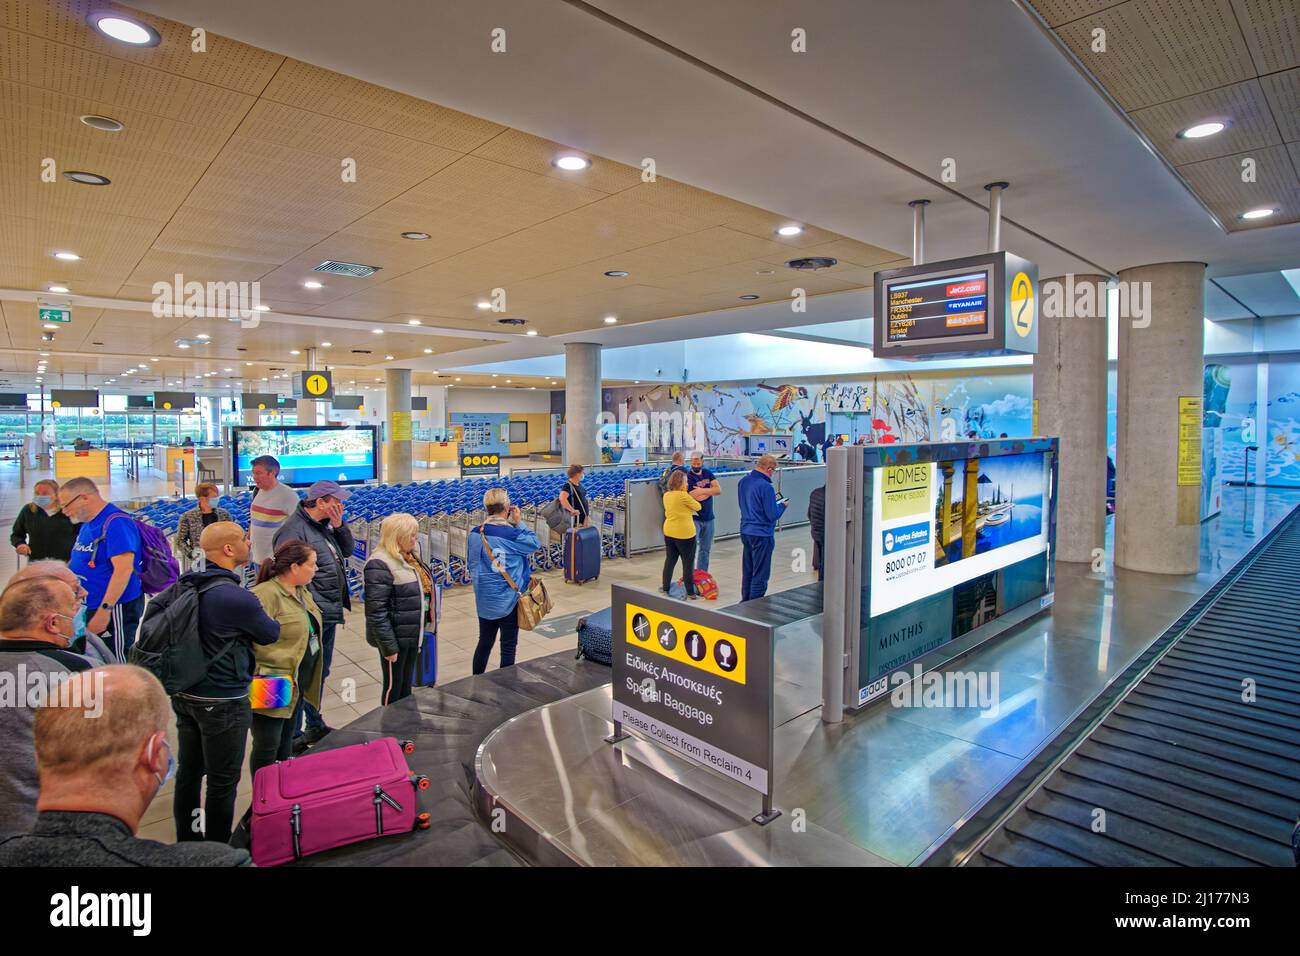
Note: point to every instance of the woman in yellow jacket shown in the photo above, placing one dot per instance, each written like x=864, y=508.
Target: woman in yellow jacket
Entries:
x=679, y=533
x=282, y=588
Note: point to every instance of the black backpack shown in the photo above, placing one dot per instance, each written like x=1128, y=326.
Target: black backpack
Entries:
x=168, y=644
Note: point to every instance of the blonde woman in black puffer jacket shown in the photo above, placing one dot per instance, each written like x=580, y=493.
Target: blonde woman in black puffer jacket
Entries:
x=399, y=589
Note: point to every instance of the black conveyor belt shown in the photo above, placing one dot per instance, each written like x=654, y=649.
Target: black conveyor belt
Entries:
x=782, y=607
x=1186, y=771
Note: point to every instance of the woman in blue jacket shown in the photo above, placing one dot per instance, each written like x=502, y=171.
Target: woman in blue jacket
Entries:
x=498, y=565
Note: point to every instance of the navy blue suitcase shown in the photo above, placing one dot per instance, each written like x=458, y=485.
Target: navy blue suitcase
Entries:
x=596, y=637
x=581, y=554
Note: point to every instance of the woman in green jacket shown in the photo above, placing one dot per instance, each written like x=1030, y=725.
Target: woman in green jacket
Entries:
x=282, y=588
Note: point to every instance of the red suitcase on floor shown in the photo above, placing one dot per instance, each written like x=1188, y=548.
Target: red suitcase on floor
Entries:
x=316, y=802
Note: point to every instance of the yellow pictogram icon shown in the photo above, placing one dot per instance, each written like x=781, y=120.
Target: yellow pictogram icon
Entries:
x=1022, y=304
x=317, y=384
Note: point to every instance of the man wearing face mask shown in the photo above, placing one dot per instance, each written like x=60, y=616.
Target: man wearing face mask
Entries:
x=41, y=529
x=37, y=623
x=102, y=755
x=213, y=716
x=703, y=487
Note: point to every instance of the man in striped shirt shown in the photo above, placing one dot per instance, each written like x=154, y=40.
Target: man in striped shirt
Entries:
x=271, y=505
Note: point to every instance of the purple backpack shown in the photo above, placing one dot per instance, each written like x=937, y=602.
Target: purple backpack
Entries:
x=155, y=564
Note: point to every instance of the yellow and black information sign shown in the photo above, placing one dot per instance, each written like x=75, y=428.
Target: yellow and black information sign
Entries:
x=317, y=385
x=1190, y=421
x=906, y=490
x=479, y=464
x=695, y=645
x=695, y=681
x=401, y=426
x=1022, y=308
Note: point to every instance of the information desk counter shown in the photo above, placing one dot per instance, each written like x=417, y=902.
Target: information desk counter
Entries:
x=92, y=463
x=165, y=458
x=434, y=453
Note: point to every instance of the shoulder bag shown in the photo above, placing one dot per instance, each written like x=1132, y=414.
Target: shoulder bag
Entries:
x=534, y=604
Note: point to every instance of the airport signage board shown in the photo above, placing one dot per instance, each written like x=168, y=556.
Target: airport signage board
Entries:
x=475, y=464
x=348, y=403
x=74, y=398
x=174, y=401
x=259, y=401
x=315, y=385
x=695, y=681
x=977, y=305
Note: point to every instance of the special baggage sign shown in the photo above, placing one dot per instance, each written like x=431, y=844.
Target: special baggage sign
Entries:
x=695, y=681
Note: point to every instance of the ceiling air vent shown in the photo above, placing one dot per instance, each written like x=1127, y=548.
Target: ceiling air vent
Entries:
x=511, y=322
x=354, y=269
x=361, y=351
x=812, y=262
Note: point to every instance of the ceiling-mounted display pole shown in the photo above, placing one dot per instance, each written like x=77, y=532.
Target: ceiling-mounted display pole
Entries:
x=918, y=230
x=995, y=215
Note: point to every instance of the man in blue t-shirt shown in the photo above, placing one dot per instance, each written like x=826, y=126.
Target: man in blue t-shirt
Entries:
x=106, y=558
x=703, y=487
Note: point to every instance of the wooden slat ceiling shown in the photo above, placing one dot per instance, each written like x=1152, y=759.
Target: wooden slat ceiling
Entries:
x=1171, y=64
x=229, y=169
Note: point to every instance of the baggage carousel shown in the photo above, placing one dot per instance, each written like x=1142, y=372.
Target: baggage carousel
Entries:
x=888, y=786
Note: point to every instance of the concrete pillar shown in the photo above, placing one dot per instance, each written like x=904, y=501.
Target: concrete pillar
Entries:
x=581, y=403
x=1070, y=392
x=1157, y=520
x=307, y=406
x=399, y=425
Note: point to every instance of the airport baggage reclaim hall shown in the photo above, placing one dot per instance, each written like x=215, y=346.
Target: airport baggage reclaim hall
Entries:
x=895, y=402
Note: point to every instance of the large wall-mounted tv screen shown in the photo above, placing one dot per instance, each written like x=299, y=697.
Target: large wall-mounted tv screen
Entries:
x=343, y=453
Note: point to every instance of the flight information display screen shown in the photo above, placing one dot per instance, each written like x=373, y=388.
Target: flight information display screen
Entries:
x=938, y=309
x=344, y=454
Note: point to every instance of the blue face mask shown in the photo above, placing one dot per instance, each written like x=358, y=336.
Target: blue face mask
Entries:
x=78, y=623
x=171, y=766
x=43, y=501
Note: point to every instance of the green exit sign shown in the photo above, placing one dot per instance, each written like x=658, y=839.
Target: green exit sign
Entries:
x=55, y=313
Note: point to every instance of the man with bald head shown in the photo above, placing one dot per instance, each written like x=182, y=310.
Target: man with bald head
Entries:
x=102, y=755
x=38, y=617
x=213, y=716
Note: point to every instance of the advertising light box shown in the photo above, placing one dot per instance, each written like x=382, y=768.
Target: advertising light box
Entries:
x=343, y=453
x=938, y=524
x=977, y=305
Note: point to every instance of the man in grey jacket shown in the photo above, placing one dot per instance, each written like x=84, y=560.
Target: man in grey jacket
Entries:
x=319, y=522
x=103, y=755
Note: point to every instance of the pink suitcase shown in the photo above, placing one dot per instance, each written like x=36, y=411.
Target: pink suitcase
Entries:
x=316, y=802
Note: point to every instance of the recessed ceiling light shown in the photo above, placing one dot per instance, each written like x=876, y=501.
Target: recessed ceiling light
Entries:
x=1261, y=213
x=379, y=380
x=248, y=363
x=428, y=351
x=105, y=123
x=493, y=386
x=458, y=379
x=326, y=345
x=58, y=288
x=67, y=256
x=413, y=322
x=50, y=328
x=45, y=354
x=377, y=331
x=183, y=345
x=507, y=381
x=117, y=27
x=230, y=370
x=610, y=320
x=749, y=297
x=294, y=352
x=1201, y=130
x=388, y=358
x=616, y=274
x=571, y=162
x=485, y=305
x=532, y=331
x=85, y=178
x=153, y=360
x=494, y=374
x=417, y=236
x=790, y=230
x=311, y=284
x=262, y=308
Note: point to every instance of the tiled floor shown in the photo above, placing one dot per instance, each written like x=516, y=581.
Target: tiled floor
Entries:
x=353, y=687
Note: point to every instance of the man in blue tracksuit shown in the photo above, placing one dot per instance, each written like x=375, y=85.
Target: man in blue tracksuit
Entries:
x=759, y=512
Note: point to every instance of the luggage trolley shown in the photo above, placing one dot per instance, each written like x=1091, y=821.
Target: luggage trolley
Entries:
x=458, y=548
